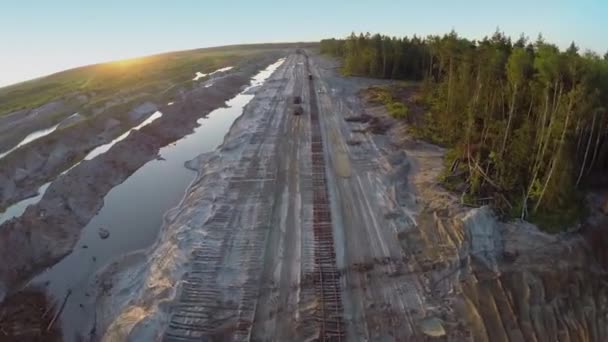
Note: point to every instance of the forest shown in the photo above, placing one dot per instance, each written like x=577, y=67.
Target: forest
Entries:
x=526, y=123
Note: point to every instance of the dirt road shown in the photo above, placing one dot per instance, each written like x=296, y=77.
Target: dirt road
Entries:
x=290, y=233
x=309, y=227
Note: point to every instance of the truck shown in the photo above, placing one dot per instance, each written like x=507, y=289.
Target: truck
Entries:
x=298, y=110
x=297, y=105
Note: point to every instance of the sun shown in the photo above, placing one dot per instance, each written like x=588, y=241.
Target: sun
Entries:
x=124, y=63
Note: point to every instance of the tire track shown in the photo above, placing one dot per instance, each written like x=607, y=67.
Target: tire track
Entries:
x=217, y=298
x=282, y=310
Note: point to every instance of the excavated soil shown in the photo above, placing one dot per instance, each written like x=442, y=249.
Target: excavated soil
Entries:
x=48, y=230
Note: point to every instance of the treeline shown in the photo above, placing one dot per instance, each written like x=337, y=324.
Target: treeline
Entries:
x=527, y=123
x=381, y=56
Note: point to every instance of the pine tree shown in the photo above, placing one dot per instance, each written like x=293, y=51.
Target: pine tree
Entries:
x=528, y=122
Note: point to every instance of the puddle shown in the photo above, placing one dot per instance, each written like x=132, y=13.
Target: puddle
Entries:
x=200, y=75
x=261, y=77
x=133, y=211
x=104, y=148
x=31, y=137
x=222, y=70
x=18, y=208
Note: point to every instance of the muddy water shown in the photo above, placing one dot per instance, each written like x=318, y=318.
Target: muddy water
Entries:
x=133, y=211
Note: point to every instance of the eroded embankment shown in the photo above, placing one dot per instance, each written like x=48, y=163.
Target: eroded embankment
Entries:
x=496, y=281
x=30, y=166
x=31, y=137
x=216, y=233
x=48, y=230
x=17, y=209
x=16, y=126
x=27, y=167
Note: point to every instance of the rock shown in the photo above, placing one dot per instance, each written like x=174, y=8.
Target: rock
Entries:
x=104, y=233
x=484, y=238
x=432, y=327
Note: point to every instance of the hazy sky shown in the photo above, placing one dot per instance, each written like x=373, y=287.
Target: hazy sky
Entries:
x=45, y=36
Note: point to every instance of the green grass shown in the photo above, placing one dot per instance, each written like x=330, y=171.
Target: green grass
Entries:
x=398, y=110
x=152, y=74
x=387, y=96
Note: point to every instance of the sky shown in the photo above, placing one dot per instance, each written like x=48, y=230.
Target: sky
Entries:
x=45, y=36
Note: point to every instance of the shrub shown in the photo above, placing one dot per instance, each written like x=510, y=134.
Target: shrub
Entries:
x=397, y=110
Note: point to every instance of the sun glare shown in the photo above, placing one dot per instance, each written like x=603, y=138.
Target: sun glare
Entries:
x=126, y=62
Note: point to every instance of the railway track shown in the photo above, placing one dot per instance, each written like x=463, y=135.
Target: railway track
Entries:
x=218, y=295
x=326, y=276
